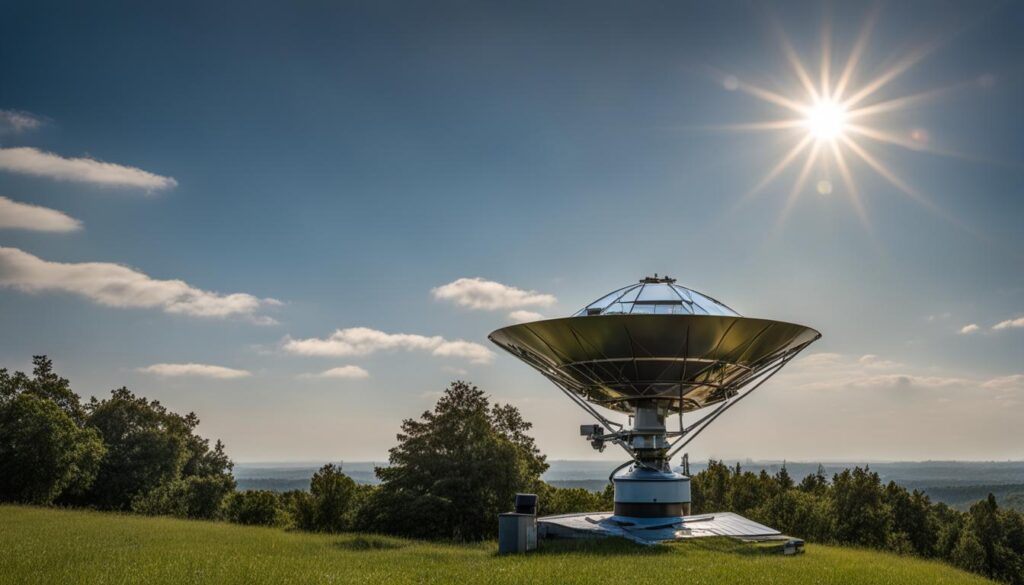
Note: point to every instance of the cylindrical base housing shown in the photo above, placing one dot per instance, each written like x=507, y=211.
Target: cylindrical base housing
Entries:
x=641, y=492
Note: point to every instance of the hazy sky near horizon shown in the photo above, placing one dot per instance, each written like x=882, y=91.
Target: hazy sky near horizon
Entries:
x=301, y=220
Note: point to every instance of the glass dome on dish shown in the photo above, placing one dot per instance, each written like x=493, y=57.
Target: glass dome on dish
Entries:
x=656, y=296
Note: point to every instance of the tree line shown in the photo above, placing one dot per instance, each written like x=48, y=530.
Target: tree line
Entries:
x=855, y=508
x=451, y=472
x=120, y=453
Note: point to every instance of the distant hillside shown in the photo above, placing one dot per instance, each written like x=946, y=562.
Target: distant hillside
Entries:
x=962, y=496
x=56, y=546
x=956, y=483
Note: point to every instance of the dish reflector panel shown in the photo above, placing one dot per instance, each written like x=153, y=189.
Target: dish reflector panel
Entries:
x=682, y=361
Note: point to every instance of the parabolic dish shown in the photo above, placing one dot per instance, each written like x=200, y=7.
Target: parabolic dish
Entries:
x=683, y=361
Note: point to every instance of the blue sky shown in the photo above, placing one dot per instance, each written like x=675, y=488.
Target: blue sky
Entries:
x=334, y=163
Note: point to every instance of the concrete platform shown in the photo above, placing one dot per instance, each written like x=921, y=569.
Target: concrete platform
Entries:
x=657, y=530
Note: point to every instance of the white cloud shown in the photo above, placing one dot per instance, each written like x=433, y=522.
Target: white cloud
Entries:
x=359, y=341
x=968, y=329
x=474, y=352
x=197, y=370
x=1012, y=382
x=119, y=286
x=1018, y=322
x=15, y=215
x=454, y=370
x=524, y=316
x=32, y=161
x=851, y=380
x=902, y=381
x=874, y=362
x=819, y=359
x=16, y=122
x=265, y=320
x=832, y=371
x=349, y=372
x=364, y=341
x=478, y=293
x=431, y=395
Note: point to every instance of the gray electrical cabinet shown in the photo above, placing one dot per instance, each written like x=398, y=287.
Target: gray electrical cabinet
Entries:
x=517, y=533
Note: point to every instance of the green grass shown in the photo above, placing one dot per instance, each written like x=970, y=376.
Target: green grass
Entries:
x=59, y=546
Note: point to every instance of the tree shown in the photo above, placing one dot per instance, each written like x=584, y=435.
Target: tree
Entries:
x=857, y=508
x=328, y=507
x=149, y=447
x=815, y=483
x=796, y=513
x=44, y=384
x=455, y=469
x=744, y=493
x=1012, y=523
x=948, y=525
x=988, y=527
x=911, y=520
x=555, y=500
x=783, y=478
x=255, y=507
x=710, y=488
x=968, y=554
x=509, y=423
x=43, y=452
x=189, y=497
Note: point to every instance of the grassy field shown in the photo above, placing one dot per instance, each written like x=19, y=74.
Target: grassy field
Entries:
x=57, y=546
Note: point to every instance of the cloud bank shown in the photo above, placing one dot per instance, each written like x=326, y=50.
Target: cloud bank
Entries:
x=833, y=371
x=968, y=329
x=24, y=216
x=343, y=372
x=35, y=162
x=481, y=294
x=357, y=341
x=856, y=411
x=114, y=285
x=1012, y=382
x=195, y=370
x=16, y=122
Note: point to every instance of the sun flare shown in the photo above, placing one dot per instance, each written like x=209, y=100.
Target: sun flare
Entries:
x=826, y=120
x=833, y=118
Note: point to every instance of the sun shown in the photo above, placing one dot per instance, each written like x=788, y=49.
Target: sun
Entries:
x=833, y=119
x=826, y=120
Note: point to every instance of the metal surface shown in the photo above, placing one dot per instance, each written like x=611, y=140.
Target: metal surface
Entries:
x=517, y=533
x=684, y=362
x=526, y=504
x=656, y=530
x=646, y=493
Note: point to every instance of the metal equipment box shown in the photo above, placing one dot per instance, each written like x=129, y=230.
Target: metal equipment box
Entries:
x=517, y=533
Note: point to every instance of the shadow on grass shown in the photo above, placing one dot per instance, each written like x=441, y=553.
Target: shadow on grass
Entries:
x=624, y=547
x=722, y=544
x=369, y=543
x=597, y=547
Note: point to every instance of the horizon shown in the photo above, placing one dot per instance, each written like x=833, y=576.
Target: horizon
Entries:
x=304, y=222
x=550, y=460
